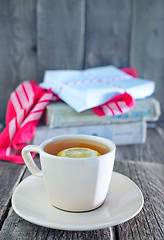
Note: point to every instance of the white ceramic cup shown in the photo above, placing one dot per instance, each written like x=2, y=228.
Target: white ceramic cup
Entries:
x=73, y=184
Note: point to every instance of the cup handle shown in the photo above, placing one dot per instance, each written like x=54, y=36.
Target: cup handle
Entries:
x=29, y=160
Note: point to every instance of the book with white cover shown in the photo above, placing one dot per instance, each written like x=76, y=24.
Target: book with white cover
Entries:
x=121, y=134
x=59, y=114
x=85, y=89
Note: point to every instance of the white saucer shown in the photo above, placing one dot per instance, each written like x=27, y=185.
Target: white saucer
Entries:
x=123, y=202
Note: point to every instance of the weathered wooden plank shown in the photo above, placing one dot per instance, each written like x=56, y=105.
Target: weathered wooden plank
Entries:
x=147, y=43
x=60, y=34
x=107, y=33
x=17, y=228
x=149, y=223
x=126, y=152
x=17, y=46
x=10, y=175
x=151, y=151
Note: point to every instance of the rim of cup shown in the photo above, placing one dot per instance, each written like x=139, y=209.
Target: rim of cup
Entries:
x=98, y=139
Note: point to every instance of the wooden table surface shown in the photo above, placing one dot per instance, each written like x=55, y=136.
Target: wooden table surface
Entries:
x=144, y=164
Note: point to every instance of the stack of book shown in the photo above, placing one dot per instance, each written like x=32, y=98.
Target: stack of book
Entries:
x=125, y=129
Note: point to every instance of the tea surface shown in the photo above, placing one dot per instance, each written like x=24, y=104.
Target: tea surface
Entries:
x=55, y=147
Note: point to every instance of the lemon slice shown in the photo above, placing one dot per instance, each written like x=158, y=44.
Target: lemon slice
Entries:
x=78, y=152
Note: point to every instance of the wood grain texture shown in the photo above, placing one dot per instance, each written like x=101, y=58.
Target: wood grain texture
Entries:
x=149, y=223
x=60, y=34
x=10, y=175
x=17, y=228
x=147, y=43
x=151, y=151
x=17, y=46
x=40, y=35
x=107, y=33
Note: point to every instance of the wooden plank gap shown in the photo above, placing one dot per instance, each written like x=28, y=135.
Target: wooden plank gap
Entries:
x=114, y=233
x=5, y=214
x=84, y=33
x=131, y=26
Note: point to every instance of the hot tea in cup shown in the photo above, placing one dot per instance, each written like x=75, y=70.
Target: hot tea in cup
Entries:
x=56, y=147
x=76, y=170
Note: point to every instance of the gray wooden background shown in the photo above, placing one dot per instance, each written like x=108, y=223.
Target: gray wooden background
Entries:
x=36, y=35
